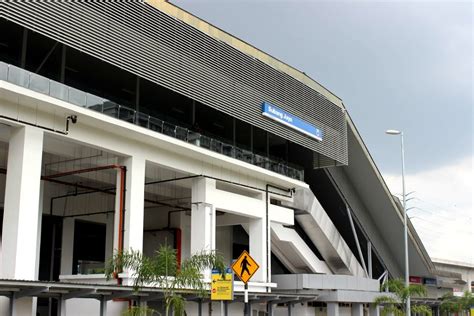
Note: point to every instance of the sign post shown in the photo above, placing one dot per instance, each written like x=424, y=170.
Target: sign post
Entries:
x=245, y=267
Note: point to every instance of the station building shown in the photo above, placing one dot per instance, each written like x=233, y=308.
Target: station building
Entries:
x=127, y=125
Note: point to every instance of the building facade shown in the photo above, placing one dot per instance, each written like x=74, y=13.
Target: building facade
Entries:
x=127, y=125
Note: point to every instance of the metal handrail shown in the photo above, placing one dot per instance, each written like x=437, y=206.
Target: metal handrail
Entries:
x=77, y=97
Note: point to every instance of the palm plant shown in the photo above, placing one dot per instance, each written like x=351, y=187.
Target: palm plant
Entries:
x=457, y=304
x=396, y=304
x=140, y=311
x=162, y=270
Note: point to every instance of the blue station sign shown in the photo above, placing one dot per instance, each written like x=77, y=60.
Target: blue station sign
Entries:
x=281, y=116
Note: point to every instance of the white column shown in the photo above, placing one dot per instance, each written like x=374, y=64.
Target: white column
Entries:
x=258, y=247
x=22, y=217
x=203, y=228
x=469, y=281
x=374, y=310
x=62, y=307
x=117, y=210
x=185, y=225
x=203, y=216
x=21, y=208
x=134, y=203
x=333, y=309
x=67, y=248
x=357, y=309
x=38, y=241
x=109, y=236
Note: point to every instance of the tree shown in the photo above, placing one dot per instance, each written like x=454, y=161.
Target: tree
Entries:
x=457, y=304
x=162, y=270
x=397, y=305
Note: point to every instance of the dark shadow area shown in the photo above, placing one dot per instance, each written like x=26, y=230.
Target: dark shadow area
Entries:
x=335, y=207
x=11, y=38
x=89, y=247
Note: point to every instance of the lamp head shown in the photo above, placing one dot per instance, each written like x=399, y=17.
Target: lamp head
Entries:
x=392, y=132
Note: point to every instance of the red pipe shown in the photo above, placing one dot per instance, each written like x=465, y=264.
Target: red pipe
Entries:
x=122, y=208
x=68, y=173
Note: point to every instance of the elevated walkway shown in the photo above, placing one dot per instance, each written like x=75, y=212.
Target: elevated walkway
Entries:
x=294, y=253
x=331, y=288
x=320, y=229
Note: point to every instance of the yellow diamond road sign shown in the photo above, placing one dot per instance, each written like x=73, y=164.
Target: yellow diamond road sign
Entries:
x=245, y=267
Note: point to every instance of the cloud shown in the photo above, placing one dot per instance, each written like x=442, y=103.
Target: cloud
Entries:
x=441, y=208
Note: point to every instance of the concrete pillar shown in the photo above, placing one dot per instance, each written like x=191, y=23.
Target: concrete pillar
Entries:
x=203, y=228
x=269, y=308
x=333, y=309
x=134, y=207
x=40, y=222
x=117, y=210
x=22, y=217
x=258, y=247
x=21, y=207
x=61, y=307
x=185, y=226
x=357, y=309
x=67, y=247
x=374, y=310
x=109, y=236
x=469, y=282
x=134, y=203
x=203, y=217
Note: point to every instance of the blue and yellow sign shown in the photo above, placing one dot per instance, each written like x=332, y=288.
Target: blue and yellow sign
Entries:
x=222, y=287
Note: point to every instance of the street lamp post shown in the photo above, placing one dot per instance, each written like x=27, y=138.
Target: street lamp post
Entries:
x=405, y=224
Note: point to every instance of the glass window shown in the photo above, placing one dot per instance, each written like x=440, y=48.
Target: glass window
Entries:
x=97, y=77
x=163, y=103
x=243, y=135
x=259, y=141
x=11, y=39
x=278, y=147
x=89, y=247
x=43, y=56
x=214, y=123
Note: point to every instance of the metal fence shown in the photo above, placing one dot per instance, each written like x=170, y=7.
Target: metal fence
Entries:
x=77, y=97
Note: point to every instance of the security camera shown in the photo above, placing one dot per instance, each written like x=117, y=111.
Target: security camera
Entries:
x=73, y=119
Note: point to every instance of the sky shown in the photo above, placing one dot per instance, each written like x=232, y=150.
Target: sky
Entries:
x=405, y=65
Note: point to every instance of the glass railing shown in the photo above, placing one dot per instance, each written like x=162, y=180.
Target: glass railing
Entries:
x=63, y=92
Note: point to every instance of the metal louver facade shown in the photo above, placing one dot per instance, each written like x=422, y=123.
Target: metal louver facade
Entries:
x=141, y=39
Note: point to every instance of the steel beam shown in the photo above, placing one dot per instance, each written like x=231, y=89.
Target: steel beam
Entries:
x=354, y=232
x=31, y=292
x=77, y=294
